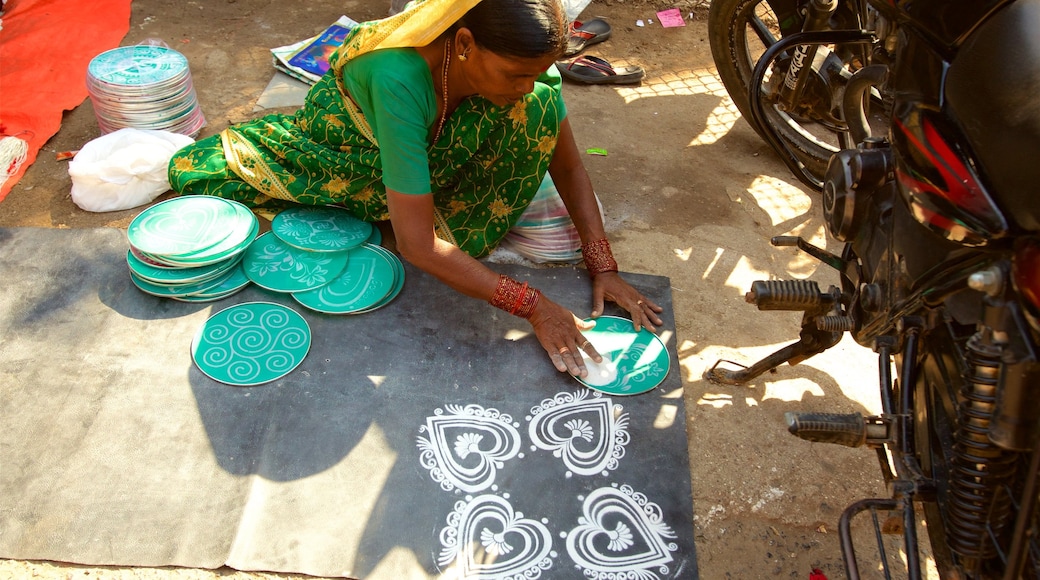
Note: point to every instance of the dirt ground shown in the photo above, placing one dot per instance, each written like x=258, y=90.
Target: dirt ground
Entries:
x=689, y=192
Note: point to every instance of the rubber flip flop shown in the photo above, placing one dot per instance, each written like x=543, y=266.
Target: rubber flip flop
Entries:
x=584, y=34
x=596, y=71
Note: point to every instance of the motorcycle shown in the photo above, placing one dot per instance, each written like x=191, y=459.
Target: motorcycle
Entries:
x=919, y=121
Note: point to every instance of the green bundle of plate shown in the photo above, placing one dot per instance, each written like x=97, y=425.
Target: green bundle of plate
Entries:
x=327, y=259
x=190, y=248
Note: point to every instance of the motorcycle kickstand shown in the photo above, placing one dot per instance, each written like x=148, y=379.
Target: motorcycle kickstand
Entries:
x=820, y=331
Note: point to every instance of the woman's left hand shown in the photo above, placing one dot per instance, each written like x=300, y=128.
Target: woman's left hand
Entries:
x=610, y=286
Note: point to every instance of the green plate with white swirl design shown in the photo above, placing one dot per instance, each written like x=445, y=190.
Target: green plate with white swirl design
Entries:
x=398, y=279
x=251, y=344
x=368, y=278
x=273, y=265
x=320, y=229
x=182, y=225
x=633, y=362
x=242, y=230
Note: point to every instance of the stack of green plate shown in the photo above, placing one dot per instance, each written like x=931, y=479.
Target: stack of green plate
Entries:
x=191, y=247
x=373, y=277
x=327, y=259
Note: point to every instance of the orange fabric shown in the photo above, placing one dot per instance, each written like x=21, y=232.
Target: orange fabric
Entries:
x=45, y=47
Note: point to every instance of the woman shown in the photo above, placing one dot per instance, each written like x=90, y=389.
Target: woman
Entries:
x=443, y=119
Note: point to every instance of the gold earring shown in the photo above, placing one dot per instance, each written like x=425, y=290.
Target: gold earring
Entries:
x=462, y=57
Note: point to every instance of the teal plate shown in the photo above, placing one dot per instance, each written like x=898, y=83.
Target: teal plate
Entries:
x=242, y=230
x=368, y=278
x=178, y=290
x=182, y=225
x=320, y=229
x=251, y=344
x=167, y=275
x=139, y=65
x=398, y=279
x=233, y=284
x=273, y=265
x=150, y=260
x=375, y=238
x=633, y=362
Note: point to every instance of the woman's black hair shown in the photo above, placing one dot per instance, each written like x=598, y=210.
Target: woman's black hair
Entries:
x=520, y=28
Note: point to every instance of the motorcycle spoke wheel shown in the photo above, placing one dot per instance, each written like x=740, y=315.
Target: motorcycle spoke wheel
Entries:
x=740, y=31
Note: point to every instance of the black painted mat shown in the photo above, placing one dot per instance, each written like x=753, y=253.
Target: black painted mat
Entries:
x=430, y=438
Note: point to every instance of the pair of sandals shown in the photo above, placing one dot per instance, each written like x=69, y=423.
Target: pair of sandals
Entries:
x=594, y=70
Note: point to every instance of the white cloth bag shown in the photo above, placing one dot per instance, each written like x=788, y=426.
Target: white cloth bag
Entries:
x=123, y=169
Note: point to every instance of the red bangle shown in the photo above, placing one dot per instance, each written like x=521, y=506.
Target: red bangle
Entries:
x=519, y=299
x=530, y=301
x=598, y=257
x=515, y=298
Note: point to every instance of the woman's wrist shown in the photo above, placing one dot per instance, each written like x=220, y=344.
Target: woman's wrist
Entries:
x=516, y=298
x=598, y=257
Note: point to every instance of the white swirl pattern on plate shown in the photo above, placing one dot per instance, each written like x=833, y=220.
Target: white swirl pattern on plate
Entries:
x=638, y=361
x=487, y=540
x=586, y=434
x=325, y=229
x=273, y=265
x=622, y=534
x=368, y=278
x=466, y=447
x=247, y=347
x=242, y=231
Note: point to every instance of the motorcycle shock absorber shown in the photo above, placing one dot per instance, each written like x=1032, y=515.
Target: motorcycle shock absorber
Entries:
x=979, y=506
x=818, y=12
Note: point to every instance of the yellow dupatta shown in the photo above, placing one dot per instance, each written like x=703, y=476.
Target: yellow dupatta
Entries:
x=418, y=25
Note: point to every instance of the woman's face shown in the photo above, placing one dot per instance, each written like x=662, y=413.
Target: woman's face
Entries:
x=503, y=80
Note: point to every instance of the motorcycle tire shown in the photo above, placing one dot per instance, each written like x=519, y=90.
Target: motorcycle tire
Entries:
x=933, y=427
x=739, y=32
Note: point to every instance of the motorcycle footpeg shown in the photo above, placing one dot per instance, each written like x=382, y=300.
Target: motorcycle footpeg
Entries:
x=796, y=295
x=850, y=430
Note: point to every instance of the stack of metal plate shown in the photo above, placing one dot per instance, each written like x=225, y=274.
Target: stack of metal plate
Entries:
x=190, y=248
x=545, y=232
x=144, y=87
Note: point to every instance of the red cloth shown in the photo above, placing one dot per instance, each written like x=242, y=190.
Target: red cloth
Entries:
x=45, y=47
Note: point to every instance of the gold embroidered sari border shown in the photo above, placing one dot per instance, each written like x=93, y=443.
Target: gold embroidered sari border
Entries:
x=245, y=160
x=442, y=229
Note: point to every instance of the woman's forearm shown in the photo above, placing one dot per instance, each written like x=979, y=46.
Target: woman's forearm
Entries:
x=572, y=181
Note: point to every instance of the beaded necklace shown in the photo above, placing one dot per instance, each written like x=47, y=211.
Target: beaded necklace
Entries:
x=444, y=90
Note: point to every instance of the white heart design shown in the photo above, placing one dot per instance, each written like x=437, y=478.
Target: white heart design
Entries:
x=172, y=228
x=621, y=534
x=584, y=433
x=488, y=541
x=467, y=447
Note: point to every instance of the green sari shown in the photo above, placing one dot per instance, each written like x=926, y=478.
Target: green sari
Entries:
x=485, y=168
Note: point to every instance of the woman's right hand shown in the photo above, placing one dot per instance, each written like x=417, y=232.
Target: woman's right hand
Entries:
x=560, y=333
